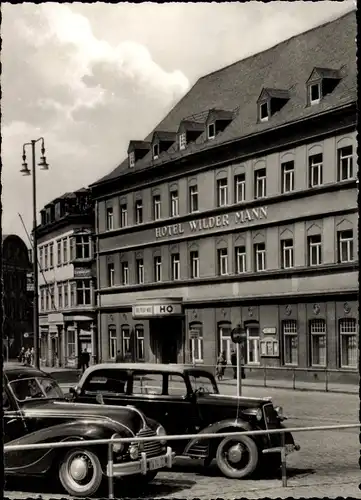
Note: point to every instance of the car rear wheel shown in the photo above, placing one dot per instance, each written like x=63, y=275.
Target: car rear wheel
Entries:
x=80, y=472
x=237, y=457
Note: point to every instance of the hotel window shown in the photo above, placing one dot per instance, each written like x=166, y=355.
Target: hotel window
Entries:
x=260, y=183
x=139, y=336
x=155, y=151
x=140, y=271
x=65, y=250
x=287, y=254
x=240, y=259
x=60, y=296
x=314, y=250
x=110, y=219
x=175, y=266
x=125, y=273
x=66, y=295
x=193, y=199
x=239, y=188
x=131, y=159
x=318, y=342
x=222, y=192
x=345, y=246
x=111, y=273
x=83, y=293
x=157, y=207
x=290, y=340
x=71, y=344
x=196, y=344
x=125, y=334
x=344, y=163
x=348, y=343
x=123, y=215
x=112, y=342
x=48, y=298
x=194, y=258
x=72, y=248
x=252, y=345
x=315, y=167
x=225, y=341
x=211, y=131
x=82, y=246
x=157, y=268
x=182, y=141
x=46, y=257
x=222, y=261
x=51, y=255
x=52, y=297
x=72, y=294
x=139, y=212
x=58, y=251
x=41, y=257
x=259, y=257
x=314, y=93
x=263, y=112
x=42, y=299
x=174, y=204
x=288, y=176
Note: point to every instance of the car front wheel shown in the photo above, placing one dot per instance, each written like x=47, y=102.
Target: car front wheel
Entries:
x=237, y=457
x=80, y=473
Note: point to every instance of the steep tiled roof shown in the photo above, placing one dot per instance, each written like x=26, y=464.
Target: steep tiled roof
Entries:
x=237, y=87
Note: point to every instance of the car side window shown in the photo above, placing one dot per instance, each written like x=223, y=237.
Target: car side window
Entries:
x=148, y=383
x=176, y=386
x=106, y=382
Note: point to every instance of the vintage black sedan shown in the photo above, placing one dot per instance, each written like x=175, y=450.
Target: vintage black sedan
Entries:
x=186, y=400
x=36, y=411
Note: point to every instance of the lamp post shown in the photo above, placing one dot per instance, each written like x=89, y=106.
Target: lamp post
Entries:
x=25, y=171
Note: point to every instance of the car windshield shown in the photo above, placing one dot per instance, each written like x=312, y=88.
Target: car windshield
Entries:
x=36, y=388
x=203, y=384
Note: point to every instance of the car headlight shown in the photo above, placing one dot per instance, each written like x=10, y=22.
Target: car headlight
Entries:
x=162, y=432
x=133, y=451
x=279, y=411
x=259, y=414
x=117, y=447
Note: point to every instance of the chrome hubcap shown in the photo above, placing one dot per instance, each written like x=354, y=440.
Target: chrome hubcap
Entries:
x=235, y=453
x=78, y=468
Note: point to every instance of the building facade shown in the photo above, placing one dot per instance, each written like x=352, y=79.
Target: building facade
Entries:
x=240, y=209
x=17, y=299
x=67, y=313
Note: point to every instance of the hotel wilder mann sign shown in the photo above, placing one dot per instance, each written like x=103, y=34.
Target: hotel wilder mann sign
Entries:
x=218, y=221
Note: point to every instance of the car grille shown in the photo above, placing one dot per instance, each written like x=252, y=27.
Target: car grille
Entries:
x=151, y=448
x=270, y=416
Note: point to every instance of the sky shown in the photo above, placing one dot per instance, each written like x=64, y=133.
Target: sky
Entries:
x=91, y=77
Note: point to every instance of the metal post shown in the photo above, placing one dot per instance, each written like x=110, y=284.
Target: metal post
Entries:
x=264, y=376
x=239, y=370
x=326, y=380
x=294, y=379
x=283, y=461
x=35, y=266
x=110, y=472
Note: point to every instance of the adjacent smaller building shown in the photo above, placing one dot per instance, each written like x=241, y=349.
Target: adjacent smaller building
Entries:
x=67, y=315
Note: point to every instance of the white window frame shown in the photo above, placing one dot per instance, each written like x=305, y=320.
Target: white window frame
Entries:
x=290, y=336
x=240, y=188
x=126, y=339
x=59, y=252
x=175, y=262
x=241, y=259
x=314, y=101
x=318, y=330
x=315, y=170
x=260, y=183
x=155, y=151
x=111, y=274
x=288, y=176
x=222, y=192
x=52, y=297
x=113, y=342
x=125, y=273
x=42, y=299
x=174, y=203
x=264, y=105
x=222, y=261
x=157, y=207
x=139, y=211
x=82, y=242
x=84, y=287
x=139, y=338
x=287, y=255
x=124, y=215
x=194, y=261
x=193, y=199
x=157, y=268
x=197, y=345
x=73, y=295
x=51, y=255
x=66, y=250
x=109, y=218
x=344, y=159
x=45, y=257
x=348, y=331
x=225, y=336
x=140, y=271
x=318, y=246
x=132, y=159
x=60, y=296
x=71, y=343
x=255, y=341
x=345, y=245
x=66, y=294
x=259, y=253
x=41, y=258
x=211, y=135
x=182, y=140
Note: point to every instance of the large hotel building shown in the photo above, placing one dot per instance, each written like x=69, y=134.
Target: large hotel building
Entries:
x=240, y=208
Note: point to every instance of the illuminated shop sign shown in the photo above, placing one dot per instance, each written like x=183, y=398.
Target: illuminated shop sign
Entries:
x=218, y=221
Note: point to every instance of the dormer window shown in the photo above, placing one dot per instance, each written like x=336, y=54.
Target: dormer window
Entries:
x=321, y=82
x=155, y=151
x=182, y=140
x=131, y=160
x=271, y=101
x=211, y=131
x=263, y=112
x=315, y=93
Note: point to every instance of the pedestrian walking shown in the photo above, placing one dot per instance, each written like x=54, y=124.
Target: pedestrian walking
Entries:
x=234, y=362
x=119, y=358
x=221, y=365
x=32, y=356
x=21, y=356
x=27, y=357
x=84, y=360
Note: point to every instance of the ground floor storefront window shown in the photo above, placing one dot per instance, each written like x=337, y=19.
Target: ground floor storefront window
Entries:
x=348, y=343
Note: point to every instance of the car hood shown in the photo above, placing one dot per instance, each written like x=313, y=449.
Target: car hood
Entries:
x=128, y=417
x=232, y=401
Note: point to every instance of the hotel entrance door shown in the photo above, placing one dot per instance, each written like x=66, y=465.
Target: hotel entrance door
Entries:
x=166, y=338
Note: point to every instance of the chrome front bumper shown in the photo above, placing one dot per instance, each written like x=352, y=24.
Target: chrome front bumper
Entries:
x=142, y=466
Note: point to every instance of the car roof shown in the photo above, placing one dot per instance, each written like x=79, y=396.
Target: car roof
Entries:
x=158, y=367
x=15, y=370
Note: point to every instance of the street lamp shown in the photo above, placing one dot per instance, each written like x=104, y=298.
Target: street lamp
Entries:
x=25, y=171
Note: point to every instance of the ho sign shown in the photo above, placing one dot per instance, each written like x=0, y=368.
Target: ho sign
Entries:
x=165, y=309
